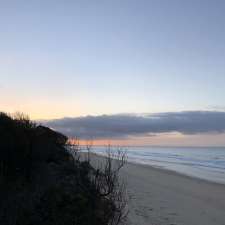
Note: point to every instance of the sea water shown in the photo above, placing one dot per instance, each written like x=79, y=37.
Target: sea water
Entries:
x=206, y=163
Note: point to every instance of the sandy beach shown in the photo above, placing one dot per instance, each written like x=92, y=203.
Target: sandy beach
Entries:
x=161, y=197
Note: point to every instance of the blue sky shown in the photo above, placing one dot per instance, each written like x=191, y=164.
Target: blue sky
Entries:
x=75, y=58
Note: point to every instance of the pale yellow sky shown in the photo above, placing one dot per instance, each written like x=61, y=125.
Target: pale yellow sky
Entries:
x=41, y=108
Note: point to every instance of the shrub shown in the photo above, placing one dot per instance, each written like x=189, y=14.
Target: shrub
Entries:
x=41, y=183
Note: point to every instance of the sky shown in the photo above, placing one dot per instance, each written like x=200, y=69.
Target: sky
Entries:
x=124, y=57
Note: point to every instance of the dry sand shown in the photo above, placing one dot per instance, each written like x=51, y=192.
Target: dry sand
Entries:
x=161, y=197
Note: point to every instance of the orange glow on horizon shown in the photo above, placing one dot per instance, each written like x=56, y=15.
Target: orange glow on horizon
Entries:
x=166, y=139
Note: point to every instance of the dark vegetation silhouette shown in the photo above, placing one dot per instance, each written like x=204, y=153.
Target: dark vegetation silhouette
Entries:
x=44, y=183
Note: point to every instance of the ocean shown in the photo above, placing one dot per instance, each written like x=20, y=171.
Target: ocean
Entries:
x=206, y=163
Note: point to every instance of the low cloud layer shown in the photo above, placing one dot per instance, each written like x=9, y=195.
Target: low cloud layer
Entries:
x=126, y=125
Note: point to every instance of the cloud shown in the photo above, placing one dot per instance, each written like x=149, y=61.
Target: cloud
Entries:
x=217, y=108
x=126, y=125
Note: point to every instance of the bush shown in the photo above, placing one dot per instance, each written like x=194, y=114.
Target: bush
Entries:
x=41, y=183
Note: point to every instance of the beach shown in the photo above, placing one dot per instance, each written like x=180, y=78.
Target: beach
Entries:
x=162, y=197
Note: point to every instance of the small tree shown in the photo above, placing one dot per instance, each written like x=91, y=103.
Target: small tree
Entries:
x=109, y=185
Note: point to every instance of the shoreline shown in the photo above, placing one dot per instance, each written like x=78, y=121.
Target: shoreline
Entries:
x=166, y=170
x=162, y=197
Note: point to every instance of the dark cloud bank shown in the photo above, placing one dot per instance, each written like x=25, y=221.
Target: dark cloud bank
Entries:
x=125, y=125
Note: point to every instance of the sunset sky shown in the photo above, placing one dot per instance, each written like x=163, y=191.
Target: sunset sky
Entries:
x=132, y=60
